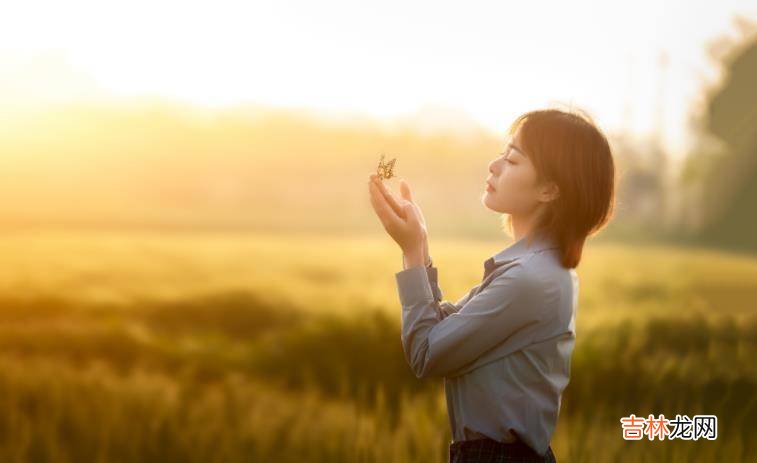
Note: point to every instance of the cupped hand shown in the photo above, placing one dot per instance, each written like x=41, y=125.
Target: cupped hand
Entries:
x=408, y=195
x=401, y=217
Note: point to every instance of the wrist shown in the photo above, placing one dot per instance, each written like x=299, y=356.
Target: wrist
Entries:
x=415, y=258
x=426, y=254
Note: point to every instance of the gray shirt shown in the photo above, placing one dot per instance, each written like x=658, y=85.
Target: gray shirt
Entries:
x=503, y=349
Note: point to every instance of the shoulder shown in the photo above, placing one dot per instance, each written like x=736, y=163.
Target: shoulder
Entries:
x=539, y=272
x=517, y=278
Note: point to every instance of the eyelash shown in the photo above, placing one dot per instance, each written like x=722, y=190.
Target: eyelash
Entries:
x=506, y=159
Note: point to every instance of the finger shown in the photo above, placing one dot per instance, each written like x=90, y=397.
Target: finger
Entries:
x=408, y=195
x=375, y=203
x=390, y=198
x=411, y=212
x=405, y=190
x=385, y=213
x=419, y=213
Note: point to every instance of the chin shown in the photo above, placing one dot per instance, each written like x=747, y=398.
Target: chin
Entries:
x=486, y=201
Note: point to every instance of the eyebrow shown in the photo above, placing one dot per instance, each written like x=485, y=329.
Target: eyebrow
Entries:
x=510, y=145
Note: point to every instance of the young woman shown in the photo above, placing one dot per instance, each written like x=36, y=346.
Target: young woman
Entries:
x=504, y=348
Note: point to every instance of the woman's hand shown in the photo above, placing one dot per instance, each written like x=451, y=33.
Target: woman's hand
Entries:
x=406, y=194
x=401, y=218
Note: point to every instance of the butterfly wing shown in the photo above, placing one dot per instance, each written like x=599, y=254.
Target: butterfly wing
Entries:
x=390, y=168
x=385, y=169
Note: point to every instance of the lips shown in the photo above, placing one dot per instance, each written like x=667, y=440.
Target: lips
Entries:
x=489, y=187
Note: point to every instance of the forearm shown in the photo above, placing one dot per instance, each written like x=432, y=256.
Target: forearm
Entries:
x=419, y=315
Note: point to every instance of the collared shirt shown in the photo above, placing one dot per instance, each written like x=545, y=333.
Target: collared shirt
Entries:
x=504, y=348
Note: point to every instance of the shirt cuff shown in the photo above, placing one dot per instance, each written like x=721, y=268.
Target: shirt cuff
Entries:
x=433, y=279
x=413, y=286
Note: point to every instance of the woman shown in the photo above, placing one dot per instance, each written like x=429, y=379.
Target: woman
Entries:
x=504, y=348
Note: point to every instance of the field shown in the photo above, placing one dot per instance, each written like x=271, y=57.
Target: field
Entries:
x=232, y=347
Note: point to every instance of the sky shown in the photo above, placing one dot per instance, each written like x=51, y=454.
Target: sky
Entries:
x=446, y=61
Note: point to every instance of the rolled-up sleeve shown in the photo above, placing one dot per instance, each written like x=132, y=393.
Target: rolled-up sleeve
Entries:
x=436, y=344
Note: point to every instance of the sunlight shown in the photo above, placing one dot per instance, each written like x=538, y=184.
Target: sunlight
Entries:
x=489, y=61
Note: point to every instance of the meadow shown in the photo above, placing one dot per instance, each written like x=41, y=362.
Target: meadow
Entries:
x=244, y=347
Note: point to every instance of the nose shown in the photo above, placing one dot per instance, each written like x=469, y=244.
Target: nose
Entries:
x=494, y=167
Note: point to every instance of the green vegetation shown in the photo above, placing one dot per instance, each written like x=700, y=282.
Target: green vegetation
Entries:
x=216, y=348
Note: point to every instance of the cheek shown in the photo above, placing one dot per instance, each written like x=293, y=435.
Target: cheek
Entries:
x=514, y=190
x=514, y=180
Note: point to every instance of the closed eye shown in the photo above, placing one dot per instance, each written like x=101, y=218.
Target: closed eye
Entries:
x=504, y=153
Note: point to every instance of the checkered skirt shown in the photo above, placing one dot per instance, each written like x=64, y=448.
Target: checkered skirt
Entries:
x=491, y=451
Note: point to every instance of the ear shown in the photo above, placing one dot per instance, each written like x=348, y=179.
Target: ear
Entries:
x=549, y=192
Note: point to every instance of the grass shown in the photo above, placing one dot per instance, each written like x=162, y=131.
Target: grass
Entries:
x=230, y=348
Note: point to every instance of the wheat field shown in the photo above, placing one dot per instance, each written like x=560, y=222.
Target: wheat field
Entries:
x=245, y=347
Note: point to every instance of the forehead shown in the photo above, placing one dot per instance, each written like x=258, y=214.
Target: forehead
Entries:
x=517, y=135
x=516, y=142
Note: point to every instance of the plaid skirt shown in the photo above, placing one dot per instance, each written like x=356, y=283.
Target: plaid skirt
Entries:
x=491, y=451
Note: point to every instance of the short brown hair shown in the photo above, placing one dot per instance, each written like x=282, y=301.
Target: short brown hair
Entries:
x=568, y=149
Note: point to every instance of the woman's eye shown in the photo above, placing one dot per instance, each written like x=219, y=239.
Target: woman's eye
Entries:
x=505, y=153
x=506, y=158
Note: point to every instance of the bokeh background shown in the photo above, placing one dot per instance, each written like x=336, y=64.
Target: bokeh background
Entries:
x=192, y=271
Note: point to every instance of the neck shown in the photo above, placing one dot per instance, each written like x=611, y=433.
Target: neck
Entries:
x=524, y=224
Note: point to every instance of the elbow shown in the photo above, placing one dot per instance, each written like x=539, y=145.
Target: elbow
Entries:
x=422, y=366
x=428, y=367
x=426, y=371
x=416, y=359
x=420, y=372
x=420, y=360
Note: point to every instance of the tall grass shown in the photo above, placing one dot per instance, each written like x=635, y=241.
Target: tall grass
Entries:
x=237, y=374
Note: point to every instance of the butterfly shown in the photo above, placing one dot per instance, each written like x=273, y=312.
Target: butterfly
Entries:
x=385, y=169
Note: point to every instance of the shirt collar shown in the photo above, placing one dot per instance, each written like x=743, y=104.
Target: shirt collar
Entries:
x=520, y=248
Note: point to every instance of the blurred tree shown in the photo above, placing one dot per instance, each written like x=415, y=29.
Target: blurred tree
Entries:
x=641, y=188
x=721, y=175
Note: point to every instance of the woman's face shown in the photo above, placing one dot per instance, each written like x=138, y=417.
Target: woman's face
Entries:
x=512, y=186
